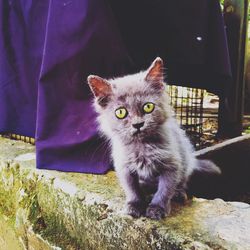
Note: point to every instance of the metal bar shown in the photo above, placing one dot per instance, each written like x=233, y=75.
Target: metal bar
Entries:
x=231, y=106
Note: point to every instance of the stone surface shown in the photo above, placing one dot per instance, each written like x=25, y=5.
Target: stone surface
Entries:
x=54, y=210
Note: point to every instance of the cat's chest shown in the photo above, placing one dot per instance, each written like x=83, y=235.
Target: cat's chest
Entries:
x=144, y=159
x=141, y=155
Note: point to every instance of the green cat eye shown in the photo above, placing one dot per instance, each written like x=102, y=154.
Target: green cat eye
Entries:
x=121, y=113
x=148, y=107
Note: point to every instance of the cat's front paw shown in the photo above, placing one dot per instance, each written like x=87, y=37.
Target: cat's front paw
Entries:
x=135, y=209
x=180, y=197
x=155, y=212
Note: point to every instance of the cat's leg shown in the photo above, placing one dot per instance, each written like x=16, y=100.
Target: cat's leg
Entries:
x=160, y=205
x=180, y=195
x=135, y=204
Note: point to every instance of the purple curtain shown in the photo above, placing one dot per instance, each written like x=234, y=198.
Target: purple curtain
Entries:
x=49, y=47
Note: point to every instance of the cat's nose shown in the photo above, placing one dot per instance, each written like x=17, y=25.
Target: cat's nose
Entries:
x=138, y=125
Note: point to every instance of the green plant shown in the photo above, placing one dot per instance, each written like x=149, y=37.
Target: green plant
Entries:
x=247, y=131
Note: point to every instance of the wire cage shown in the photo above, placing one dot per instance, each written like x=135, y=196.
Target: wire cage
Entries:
x=19, y=138
x=188, y=106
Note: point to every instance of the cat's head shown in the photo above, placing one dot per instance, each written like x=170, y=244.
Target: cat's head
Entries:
x=132, y=107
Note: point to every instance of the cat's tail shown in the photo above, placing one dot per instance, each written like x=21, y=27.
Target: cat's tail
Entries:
x=207, y=166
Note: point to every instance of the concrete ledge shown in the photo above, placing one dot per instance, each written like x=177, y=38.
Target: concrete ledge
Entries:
x=55, y=210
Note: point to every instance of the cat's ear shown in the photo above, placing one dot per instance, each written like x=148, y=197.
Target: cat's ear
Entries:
x=101, y=89
x=99, y=86
x=155, y=73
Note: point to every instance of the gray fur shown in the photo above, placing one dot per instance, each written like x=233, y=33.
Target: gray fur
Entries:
x=160, y=156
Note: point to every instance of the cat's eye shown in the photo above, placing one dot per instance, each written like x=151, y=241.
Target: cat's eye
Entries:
x=121, y=113
x=148, y=107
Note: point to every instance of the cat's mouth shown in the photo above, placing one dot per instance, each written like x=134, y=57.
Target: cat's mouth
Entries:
x=137, y=132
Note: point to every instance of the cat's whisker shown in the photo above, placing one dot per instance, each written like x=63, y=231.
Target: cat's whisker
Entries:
x=97, y=149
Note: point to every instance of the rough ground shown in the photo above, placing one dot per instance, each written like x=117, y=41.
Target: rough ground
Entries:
x=53, y=210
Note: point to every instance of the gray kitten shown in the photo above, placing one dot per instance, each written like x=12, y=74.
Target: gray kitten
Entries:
x=150, y=151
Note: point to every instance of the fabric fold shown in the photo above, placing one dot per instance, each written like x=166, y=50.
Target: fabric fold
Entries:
x=49, y=47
